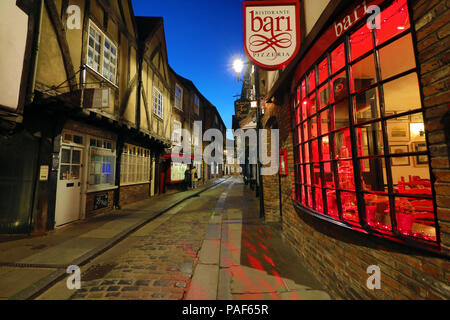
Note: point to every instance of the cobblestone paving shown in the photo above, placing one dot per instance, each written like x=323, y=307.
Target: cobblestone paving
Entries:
x=158, y=266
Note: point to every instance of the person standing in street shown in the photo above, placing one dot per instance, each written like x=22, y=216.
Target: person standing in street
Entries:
x=187, y=178
x=194, y=177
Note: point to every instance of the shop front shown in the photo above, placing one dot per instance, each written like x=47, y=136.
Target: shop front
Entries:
x=172, y=172
x=86, y=173
x=362, y=157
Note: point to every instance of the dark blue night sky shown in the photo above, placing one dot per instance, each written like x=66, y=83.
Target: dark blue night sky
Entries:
x=203, y=37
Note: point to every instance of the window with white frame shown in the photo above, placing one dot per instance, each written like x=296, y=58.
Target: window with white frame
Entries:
x=102, y=163
x=101, y=54
x=176, y=133
x=196, y=105
x=178, y=97
x=134, y=165
x=158, y=103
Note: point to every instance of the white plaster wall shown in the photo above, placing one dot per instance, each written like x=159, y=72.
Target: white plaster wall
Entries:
x=313, y=10
x=13, y=34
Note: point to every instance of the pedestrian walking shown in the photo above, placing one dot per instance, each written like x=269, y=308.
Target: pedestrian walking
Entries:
x=187, y=178
x=194, y=177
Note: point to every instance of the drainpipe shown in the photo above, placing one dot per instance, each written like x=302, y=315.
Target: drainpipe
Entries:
x=35, y=53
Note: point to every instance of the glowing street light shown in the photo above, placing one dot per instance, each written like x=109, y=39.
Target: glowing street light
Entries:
x=238, y=65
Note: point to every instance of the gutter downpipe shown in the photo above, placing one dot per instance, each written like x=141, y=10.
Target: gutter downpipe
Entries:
x=35, y=53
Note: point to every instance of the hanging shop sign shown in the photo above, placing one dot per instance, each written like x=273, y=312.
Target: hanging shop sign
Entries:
x=271, y=32
x=96, y=98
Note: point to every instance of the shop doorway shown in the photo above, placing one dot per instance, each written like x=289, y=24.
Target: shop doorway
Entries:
x=68, y=192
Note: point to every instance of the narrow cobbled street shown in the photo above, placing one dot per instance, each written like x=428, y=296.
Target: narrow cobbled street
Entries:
x=211, y=246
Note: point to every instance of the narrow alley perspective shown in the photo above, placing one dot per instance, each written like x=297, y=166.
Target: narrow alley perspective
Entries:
x=211, y=246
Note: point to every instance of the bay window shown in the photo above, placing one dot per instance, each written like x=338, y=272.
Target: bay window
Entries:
x=361, y=155
x=101, y=54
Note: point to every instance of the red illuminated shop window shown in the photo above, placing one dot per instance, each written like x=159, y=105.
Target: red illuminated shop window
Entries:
x=362, y=158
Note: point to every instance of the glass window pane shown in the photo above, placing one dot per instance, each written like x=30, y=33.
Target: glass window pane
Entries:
x=309, y=197
x=76, y=157
x=315, y=151
x=339, y=84
x=303, y=107
x=65, y=156
x=65, y=172
x=297, y=113
x=76, y=172
x=373, y=174
x=325, y=145
x=324, y=96
x=312, y=109
x=410, y=179
x=318, y=206
x=303, y=89
x=349, y=206
x=370, y=140
x=341, y=115
x=323, y=70
x=313, y=125
x=305, y=131
x=398, y=132
x=377, y=211
x=316, y=178
x=415, y=217
x=306, y=152
x=329, y=175
x=363, y=74
x=346, y=176
x=332, y=204
x=324, y=120
x=312, y=80
x=308, y=174
x=394, y=20
x=367, y=105
x=402, y=95
x=397, y=57
x=360, y=42
x=338, y=58
x=342, y=144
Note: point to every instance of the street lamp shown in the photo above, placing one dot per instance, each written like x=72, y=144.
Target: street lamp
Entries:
x=238, y=66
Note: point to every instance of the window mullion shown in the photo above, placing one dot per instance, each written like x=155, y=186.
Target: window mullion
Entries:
x=387, y=157
x=356, y=165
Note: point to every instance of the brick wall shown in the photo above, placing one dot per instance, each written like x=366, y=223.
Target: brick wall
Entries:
x=339, y=257
x=90, y=203
x=133, y=193
x=432, y=25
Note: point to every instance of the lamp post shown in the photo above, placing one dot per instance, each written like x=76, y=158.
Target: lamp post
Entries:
x=238, y=66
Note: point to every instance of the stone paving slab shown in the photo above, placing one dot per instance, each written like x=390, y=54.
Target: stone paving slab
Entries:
x=64, y=253
x=204, y=283
x=13, y=278
x=210, y=252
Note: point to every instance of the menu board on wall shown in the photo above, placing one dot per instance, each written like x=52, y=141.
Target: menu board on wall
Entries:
x=177, y=171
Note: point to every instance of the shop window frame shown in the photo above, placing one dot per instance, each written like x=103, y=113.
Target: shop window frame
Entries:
x=300, y=186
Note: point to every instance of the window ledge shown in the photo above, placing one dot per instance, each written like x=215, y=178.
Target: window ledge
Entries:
x=98, y=74
x=413, y=243
x=134, y=183
x=101, y=188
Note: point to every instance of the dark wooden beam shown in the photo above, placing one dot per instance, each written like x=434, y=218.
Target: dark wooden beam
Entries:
x=63, y=44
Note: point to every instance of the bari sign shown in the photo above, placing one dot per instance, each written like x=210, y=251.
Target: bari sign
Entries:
x=271, y=32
